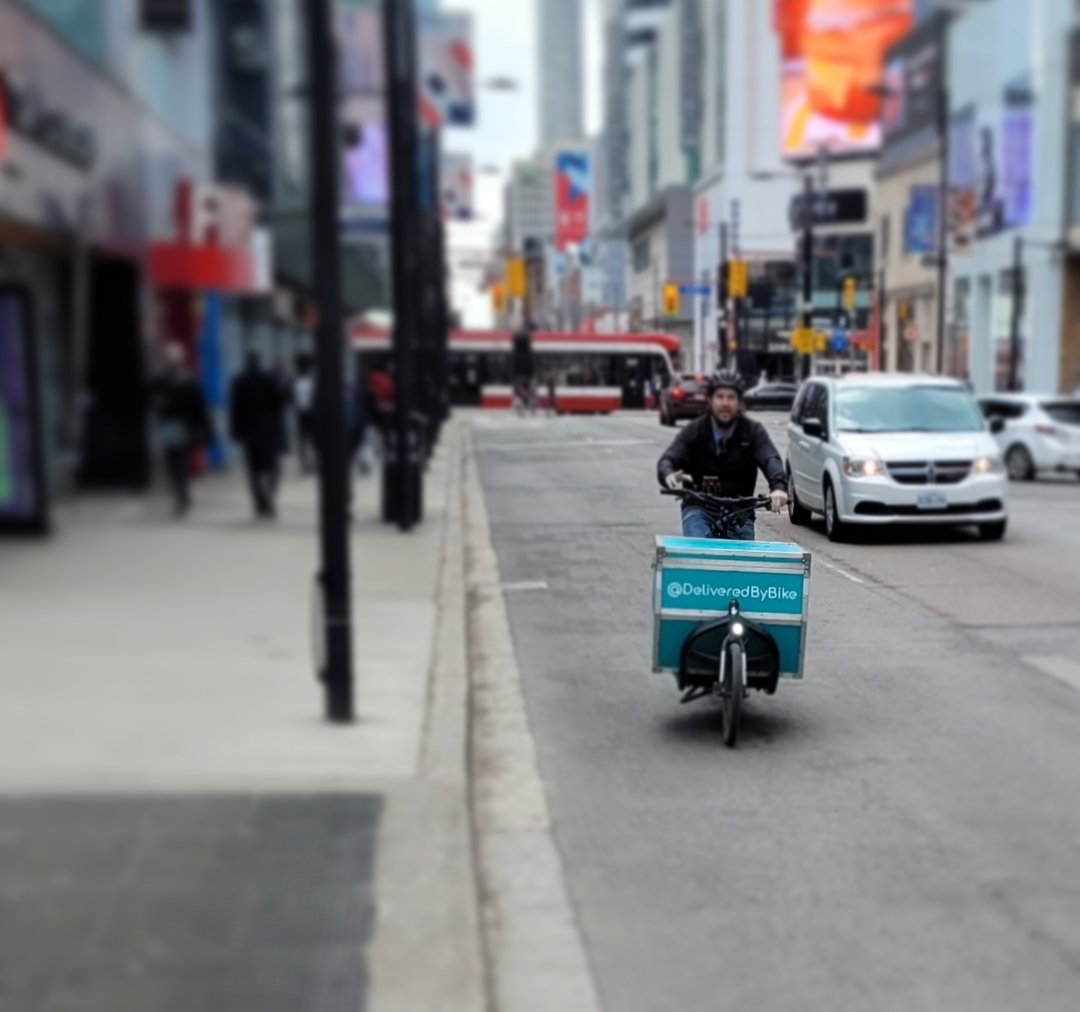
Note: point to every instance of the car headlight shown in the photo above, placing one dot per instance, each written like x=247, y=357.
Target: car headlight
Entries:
x=988, y=465
x=862, y=467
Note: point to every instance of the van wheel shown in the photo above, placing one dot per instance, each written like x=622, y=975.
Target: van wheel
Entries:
x=835, y=528
x=798, y=514
x=1019, y=463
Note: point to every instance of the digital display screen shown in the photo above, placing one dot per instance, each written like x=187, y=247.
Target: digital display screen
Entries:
x=831, y=54
x=19, y=494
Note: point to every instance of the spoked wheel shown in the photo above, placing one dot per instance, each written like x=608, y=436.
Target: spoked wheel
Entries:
x=731, y=692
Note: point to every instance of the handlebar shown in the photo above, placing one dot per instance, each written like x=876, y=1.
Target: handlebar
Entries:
x=718, y=502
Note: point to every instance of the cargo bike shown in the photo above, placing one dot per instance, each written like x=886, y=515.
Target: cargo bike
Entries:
x=729, y=616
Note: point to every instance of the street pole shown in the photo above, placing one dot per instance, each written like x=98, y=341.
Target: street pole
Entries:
x=1017, y=312
x=722, y=296
x=807, y=264
x=656, y=294
x=325, y=140
x=942, y=223
x=882, y=324
x=399, y=47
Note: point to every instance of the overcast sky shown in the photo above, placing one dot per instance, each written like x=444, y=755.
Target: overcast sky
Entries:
x=504, y=33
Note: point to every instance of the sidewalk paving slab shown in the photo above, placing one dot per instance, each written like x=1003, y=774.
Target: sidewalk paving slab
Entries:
x=170, y=792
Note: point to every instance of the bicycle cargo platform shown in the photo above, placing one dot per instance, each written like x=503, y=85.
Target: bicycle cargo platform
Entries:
x=697, y=578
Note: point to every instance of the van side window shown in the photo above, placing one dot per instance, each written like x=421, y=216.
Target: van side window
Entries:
x=799, y=406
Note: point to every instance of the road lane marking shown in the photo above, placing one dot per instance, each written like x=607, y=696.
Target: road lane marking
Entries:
x=561, y=444
x=1061, y=668
x=844, y=573
x=523, y=585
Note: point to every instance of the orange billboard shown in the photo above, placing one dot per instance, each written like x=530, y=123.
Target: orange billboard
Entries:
x=831, y=57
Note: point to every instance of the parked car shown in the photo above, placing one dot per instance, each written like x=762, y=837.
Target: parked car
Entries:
x=894, y=449
x=1042, y=432
x=685, y=397
x=771, y=397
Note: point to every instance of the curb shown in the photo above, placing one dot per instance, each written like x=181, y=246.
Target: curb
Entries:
x=536, y=955
x=430, y=943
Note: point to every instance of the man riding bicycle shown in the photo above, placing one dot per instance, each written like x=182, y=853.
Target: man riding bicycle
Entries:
x=721, y=453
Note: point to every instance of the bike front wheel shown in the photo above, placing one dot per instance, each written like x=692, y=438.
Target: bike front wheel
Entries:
x=732, y=691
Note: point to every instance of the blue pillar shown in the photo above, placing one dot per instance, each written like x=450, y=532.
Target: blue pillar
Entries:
x=212, y=377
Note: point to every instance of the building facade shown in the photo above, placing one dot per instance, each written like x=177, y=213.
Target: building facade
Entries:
x=107, y=123
x=560, y=54
x=1009, y=128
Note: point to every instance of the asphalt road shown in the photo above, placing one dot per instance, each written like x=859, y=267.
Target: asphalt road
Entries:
x=898, y=832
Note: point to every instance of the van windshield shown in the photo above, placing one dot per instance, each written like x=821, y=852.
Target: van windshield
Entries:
x=907, y=409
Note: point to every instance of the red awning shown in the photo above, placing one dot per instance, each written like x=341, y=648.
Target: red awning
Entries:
x=201, y=268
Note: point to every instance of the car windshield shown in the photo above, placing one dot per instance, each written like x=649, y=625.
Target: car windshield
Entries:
x=1065, y=412
x=907, y=409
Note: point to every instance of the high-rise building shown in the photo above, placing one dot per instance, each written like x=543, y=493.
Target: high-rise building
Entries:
x=560, y=56
x=530, y=204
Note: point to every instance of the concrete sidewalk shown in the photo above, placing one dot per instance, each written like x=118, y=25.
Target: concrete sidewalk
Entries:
x=161, y=741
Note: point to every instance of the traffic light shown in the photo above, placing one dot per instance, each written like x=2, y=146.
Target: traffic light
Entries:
x=498, y=298
x=516, y=278
x=849, y=293
x=738, y=279
x=671, y=299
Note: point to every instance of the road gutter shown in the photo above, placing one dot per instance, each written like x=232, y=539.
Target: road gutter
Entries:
x=536, y=955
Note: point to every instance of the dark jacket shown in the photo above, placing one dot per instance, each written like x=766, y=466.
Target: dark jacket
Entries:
x=178, y=401
x=257, y=411
x=748, y=450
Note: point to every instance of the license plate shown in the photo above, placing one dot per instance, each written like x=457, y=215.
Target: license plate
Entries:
x=932, y=501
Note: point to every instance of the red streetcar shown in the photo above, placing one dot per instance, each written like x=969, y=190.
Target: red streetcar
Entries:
x=592, y=373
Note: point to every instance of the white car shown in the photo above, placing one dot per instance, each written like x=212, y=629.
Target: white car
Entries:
x=1042, y=433
x=894, y=449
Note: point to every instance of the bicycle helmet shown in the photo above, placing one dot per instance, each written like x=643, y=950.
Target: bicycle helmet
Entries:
x=726, y=379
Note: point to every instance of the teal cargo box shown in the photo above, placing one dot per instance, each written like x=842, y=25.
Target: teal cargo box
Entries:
x=697, y=578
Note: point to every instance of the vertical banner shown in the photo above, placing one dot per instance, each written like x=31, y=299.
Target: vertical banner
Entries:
x=447, y=89
x=456, y=186
x=572, y=186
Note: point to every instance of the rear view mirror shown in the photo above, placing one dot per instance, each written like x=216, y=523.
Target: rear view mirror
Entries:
x=997, y=425
x=813, y=427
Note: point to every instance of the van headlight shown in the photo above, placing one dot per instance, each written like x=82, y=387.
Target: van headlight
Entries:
x=988, y=465
x=862, y=467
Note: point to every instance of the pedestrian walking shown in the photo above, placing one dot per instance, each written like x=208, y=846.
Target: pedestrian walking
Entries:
x=382, y=393
x=552, y=401
x=181, y=423
x=357, y=421
x=257, y=409
x=303, y=401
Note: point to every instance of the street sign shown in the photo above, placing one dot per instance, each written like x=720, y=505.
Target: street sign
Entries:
x=831, y=207
x=670, y=298
x=692, y=290
x=821, y=341
x=911, y=332
x=516, y=278
x=840, y=340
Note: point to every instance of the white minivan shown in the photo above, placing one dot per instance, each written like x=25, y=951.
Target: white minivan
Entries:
x=894, y=449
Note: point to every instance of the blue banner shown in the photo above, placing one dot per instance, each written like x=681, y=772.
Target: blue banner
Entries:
x=920, y=220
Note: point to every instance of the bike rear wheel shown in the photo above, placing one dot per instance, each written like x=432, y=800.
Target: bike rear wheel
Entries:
x=731, y=691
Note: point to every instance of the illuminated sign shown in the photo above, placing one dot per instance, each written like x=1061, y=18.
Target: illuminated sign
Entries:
x=831, y=62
